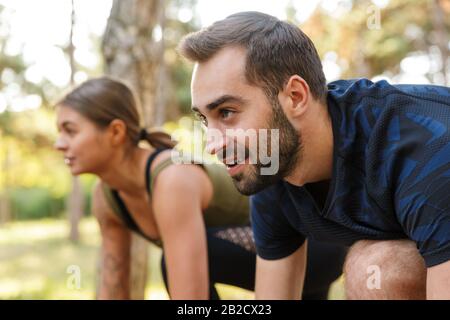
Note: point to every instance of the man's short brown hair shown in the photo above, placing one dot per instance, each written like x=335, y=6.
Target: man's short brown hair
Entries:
x=276, y=50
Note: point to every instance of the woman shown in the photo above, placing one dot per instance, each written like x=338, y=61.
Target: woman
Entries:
x=192, y=211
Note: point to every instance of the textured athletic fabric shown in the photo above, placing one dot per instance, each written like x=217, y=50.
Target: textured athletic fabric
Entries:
x=390, y=180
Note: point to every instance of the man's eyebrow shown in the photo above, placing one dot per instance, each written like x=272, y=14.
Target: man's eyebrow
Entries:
x=221, y=100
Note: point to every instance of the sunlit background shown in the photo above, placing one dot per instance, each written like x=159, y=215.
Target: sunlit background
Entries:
x=401, y=41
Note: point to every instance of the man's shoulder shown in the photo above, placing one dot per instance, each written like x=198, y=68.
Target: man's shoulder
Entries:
x=425, y=91
x=355, y=90
x=362, y=108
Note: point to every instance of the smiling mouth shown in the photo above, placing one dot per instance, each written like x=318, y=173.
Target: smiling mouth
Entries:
x=230, y=163
x=235, y=158
x=69, y=160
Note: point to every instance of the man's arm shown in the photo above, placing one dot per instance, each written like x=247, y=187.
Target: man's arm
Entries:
x=438, y=282
x=283, y=278
x=115, y=251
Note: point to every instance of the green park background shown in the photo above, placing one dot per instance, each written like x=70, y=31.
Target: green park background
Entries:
x=49, y=46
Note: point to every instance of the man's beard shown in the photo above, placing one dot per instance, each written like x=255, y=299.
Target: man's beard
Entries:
x=251, y=182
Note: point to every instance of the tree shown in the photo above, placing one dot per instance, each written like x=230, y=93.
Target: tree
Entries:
x=12, y=69
x=75, y=203
x=133, y=50
x=405, y=27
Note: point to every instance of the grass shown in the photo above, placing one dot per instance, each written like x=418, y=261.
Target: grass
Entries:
x=37, y=261
x=35, y=257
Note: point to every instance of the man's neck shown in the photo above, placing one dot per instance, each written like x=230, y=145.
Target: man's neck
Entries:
x=316, y=159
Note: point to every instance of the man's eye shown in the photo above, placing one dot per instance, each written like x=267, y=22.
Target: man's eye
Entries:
x=225, y=113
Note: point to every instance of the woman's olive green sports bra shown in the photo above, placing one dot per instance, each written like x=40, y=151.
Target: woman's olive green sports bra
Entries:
x=227, y=207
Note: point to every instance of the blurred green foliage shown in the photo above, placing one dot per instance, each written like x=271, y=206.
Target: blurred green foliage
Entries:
x=35, y=203
x=33, y=176
x=32, y=173
x=365, y=49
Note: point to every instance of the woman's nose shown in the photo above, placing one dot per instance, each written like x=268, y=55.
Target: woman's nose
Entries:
x=60, y=144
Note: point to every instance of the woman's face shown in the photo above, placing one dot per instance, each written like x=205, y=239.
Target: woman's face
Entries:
x=85, y=147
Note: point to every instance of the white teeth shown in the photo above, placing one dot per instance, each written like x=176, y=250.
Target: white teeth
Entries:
x=234, y=162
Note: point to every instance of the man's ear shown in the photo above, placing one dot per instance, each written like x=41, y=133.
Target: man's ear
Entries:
x=117, y=132
x=295, y=97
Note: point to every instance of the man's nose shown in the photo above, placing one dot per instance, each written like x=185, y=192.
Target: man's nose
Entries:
x=214, y=141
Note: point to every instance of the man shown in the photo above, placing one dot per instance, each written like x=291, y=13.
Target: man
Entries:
x=376, y=156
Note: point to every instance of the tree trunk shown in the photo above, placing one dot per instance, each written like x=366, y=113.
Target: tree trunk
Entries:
x=442, y=37
x=5, y=208
x=76, y=197
x=75, y=206
x=133, y=50
x=5, y=204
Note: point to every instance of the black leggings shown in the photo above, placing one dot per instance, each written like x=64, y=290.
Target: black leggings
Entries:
x=232, y=260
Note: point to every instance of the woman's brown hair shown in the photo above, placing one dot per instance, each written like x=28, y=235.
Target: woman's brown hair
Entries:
x=104, y=99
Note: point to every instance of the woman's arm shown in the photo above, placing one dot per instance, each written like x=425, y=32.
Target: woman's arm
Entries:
x=115, y=250
x=179, y=194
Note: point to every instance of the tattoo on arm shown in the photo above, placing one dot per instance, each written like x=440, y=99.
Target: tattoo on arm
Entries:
x=115, y=271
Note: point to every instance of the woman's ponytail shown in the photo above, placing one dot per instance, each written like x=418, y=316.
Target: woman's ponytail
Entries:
x=157, y=139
